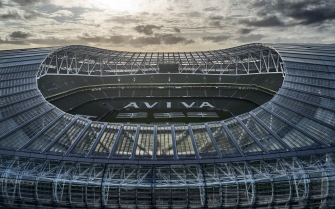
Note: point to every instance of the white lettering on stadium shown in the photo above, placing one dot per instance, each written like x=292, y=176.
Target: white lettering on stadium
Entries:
x=168, y=105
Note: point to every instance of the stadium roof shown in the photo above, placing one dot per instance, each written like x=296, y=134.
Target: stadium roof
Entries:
x=298, y=121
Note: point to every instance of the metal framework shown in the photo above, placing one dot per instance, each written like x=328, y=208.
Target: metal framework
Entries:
x=83, y=60
x=278, y=155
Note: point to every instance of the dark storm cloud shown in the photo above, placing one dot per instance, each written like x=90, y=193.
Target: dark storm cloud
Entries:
x=146, y=29
x=1, y=5
x=177, y=30
x=271, y=21
x=215, y=39
x=245, y=30
x=304, y=12
x=11, y=15
x=29, y=2
x=19, y=35
x=250, y=38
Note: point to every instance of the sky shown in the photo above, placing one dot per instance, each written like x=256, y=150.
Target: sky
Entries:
x=164, y=25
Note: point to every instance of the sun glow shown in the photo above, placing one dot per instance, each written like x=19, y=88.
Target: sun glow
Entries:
x=130, y=6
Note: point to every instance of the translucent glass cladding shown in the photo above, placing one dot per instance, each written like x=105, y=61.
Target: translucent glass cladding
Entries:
x=226, y=146
x=25, y=133
x=183, y=141
x=66, y=140
x=9, y=110
x=307, y=109
x=268, y=141
x=164, y=147
x=317, y=130
x=86, y=141
x=317, y=100
x=48, y=136
x=292, y=137
x=18, y=97
x=245, y=141
x=204, y=143
x=11, y=123
x=126, y=141
x=107, y=140
x=144, y=147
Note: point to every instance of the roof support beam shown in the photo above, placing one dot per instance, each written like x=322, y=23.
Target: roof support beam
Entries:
x=213, y=140
x=232, y=138
x=116, y=141
x=135, y=142
x=294, y=126
x=193, y=142
x=97, y=140
x=78, y=138
x=42, y=131
x=60, y=134
x=270, y=131
x=154, y=143
x=252, y=135
x=173, y=133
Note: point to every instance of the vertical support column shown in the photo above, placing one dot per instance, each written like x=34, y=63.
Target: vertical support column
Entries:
x=96, y=140
x=260, y=61
x=174, y=143
x=213, y=140
x=251, y=134
x=78, y=138
x=116, y=141
x=193, y=142
x=135, y=142
x=154, y=143
x=42, y=131
x=270, y=131
x=232, y=138
x=60, y=134
x=248, y=62
x=57, y=70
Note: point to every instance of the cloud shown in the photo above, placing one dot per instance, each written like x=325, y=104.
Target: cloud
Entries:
x=1, y=5
x=172, y=39
x=124, y=19
x=250, y=38
x=177, y=30
x=211, y=9
x=271, y=21
x=245, y=30
x=216, y=17
x=11, y=15
x=32, y=14
x=304, y=12
x=146, y=29
x=29, y=2
x=19, y=35
x=215, y=39
x=13, y=42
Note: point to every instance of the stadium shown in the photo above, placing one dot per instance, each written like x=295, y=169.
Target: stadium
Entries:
x=246, y=127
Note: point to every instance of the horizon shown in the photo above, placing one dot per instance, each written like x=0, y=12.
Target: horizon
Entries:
x=164, y=26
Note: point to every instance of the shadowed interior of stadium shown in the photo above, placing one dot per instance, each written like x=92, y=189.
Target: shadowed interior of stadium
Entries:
x=136, y=90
